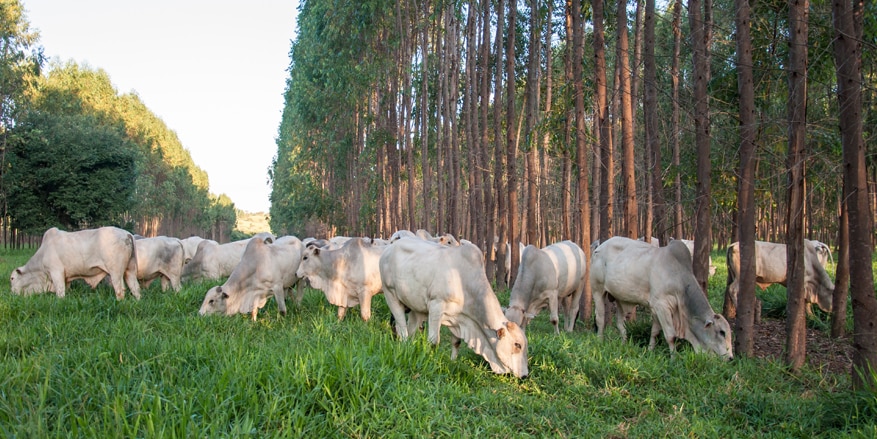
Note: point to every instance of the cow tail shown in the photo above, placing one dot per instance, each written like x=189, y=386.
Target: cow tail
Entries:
x=131, y=269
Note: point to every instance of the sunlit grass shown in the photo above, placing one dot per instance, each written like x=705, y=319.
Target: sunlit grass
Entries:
x=91, y=366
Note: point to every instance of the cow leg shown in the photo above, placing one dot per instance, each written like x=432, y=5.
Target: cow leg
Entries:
x=165, y=282
x=455, y=346
x=280, y=298
x=118, y=286
x=620, y=314
x=299, y=291
x=599, y=310
x=552, y=309
x=656, y=329
x=342, y=310
x=572, y=310
x=130, y=275
x=398, y=312
x=664, y=315
x=436, y=311
x=365, y=305
x=415, y=320
x=59, y=284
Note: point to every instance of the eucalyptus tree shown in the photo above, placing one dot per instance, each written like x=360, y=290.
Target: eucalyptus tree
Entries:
x=20, y=63
x=847, y=19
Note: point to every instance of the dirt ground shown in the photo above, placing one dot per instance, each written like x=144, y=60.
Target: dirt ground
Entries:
x=823, y=353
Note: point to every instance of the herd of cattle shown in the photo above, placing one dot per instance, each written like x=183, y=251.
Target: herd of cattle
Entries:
x=438, y=280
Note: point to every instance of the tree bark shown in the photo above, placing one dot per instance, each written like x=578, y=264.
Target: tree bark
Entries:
x=745, y=313
x=604, y=127
x=796, y=329
x=674, y=120
x=650, y=113
x=842, y=273
x=622, y=57
x=586, y=304
x=848, y=58
x=700, y=22
x=511, y=143
x=499, y=162
x=531, y=141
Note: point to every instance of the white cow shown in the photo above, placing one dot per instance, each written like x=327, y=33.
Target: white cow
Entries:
x=190, y=247
x=267, y=267
x=89, y=254
x=448, y=286
x=771, y=268
x=546, y=277
x=637, y=273
x=690, y=244
x=348, y=275
x=823, y=251
x=160, y=257
x=215, y=261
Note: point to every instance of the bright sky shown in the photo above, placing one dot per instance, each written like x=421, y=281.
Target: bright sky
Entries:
x=213, y=70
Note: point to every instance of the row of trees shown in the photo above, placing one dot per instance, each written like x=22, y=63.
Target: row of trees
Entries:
x=488, y=120
x=78, y=154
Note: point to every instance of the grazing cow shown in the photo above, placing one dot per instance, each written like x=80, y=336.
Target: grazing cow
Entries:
x=348, y=275
x=267, y=267
x=637, y=273
x=215, y=261
x=545, y=277
x=690, y=244
x=770, y=268
x=160, y=257
x=190, y=247
x=448, y=286
x=823, y=252
x=90, y=255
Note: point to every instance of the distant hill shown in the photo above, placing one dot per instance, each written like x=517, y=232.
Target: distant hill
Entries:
x=251, y=223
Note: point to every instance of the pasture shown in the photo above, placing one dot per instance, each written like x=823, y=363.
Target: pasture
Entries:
x=91, y=366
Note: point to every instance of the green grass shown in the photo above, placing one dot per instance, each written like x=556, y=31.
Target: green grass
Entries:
x=91, y=366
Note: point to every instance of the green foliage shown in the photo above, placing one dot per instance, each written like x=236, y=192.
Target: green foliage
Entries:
x=20, y=61
x=91, y=366
x=68, y=171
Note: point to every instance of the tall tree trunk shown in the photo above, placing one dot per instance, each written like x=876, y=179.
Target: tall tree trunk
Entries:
x=428, y=212
x=650, y=113
x=674, y=123
x=511, y=142
x=566, y=173
x=489, y=202
x=796, y=329
x=498, y=161
x=699, y=22
x=607, y=165
x=745, y=313
x=847, y=20
x=622, y=57
x=531, y=140
x=842, y=273
x=586, y=304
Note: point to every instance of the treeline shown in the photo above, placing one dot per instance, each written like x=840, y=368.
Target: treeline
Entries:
x=447, y=115
x=78, y=154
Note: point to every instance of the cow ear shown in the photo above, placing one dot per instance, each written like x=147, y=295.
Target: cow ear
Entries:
x=18, y=270
x=708, y=323
x=268, y=240
x=316, y=251
x=222, y=294
x=500, y=333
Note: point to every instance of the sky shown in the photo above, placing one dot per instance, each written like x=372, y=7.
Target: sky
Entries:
x=213, y=70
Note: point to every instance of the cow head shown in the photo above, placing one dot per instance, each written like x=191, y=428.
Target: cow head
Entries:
x=818, y=287
x=715, y=335
x=310, y=260
x=215, y=302
x=27, y=282
x=511, y=350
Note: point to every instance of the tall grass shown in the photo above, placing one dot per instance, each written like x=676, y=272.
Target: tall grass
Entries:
x=91, y=366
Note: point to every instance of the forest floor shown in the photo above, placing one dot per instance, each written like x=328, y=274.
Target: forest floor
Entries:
x=823, y=352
